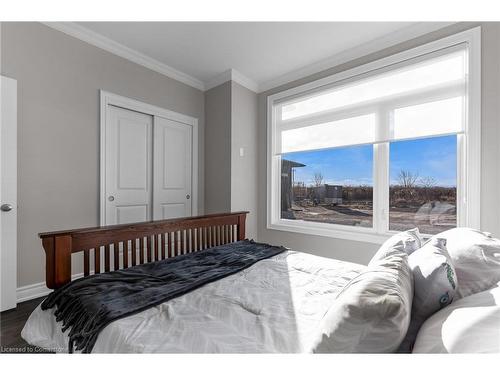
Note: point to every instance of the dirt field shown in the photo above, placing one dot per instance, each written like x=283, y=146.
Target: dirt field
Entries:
x=425, y=218
x=403, y=219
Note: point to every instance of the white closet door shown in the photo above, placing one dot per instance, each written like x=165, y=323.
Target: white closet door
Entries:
x=128, y=166
x=172, y=166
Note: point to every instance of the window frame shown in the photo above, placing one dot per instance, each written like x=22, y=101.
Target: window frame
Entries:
x=468, y=147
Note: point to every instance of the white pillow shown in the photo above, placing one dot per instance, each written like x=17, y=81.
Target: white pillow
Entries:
x=408, y=242
x=476, y=257
x=372, y=312
x=468, y=325
x=435, y=284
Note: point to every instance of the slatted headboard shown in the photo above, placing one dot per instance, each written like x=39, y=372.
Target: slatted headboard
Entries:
x=138, y=243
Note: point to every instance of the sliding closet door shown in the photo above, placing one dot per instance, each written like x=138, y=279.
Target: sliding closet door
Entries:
x=128, y=166
x=172, y=169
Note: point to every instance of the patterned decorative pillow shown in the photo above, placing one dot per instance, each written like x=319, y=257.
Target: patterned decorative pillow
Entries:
x=408, y=242
x=476, y=257
x=435, y=285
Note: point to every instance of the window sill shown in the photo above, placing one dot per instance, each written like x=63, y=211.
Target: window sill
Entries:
x=325, y=230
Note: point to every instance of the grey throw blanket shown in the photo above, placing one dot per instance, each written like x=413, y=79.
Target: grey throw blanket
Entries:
x=87, y=305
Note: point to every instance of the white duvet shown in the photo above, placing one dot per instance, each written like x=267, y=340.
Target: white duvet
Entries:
x=275, y=306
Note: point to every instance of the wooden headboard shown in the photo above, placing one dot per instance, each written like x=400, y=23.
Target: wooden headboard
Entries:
x=138, y=243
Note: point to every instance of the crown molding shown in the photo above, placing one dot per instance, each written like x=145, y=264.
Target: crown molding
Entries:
x=218, y=80
x=364, y=49
x=244, y=81
x=232, y=75
x=97, y=40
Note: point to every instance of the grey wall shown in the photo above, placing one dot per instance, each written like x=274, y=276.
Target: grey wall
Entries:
x=244, y=168
x=362, y=252
x=218, y=149
x=59, y=78
x=231, y=179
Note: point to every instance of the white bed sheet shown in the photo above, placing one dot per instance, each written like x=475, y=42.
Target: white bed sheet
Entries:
x=468, y=325
x=275, y=306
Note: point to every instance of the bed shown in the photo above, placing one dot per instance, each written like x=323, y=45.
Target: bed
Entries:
x=284, y=302
x=276, y=309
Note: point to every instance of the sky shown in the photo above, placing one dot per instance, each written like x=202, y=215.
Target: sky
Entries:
x=430, y=157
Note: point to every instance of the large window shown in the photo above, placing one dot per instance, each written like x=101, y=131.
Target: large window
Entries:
x=385, y=147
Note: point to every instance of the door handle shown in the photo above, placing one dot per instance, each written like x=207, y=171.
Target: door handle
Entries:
x=188, y=196
x=111, y=198
x=6, y=207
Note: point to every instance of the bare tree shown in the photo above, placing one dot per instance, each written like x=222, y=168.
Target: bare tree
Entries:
x=407, y=179
x=428, y=182
x=318, y=179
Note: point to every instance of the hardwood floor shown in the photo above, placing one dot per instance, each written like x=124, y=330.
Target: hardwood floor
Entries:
x=11, y=325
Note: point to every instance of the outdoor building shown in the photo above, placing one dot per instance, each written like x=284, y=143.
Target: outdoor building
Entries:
x=287, y=182
x=329, y=194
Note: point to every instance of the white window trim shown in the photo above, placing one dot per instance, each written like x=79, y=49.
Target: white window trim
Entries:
x=468, y=153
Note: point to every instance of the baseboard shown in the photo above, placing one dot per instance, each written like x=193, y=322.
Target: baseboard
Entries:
x=28, y=292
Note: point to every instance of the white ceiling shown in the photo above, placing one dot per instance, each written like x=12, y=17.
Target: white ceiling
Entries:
x=263, y=54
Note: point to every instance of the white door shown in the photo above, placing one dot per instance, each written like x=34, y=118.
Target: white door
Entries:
x=8, y=192
x=172, y=169
x=128, y=192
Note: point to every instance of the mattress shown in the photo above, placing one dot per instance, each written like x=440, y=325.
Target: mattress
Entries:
x=275, y=306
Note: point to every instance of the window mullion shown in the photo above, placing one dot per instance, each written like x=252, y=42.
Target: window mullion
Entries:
x=462, y=203
x=381, y=172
